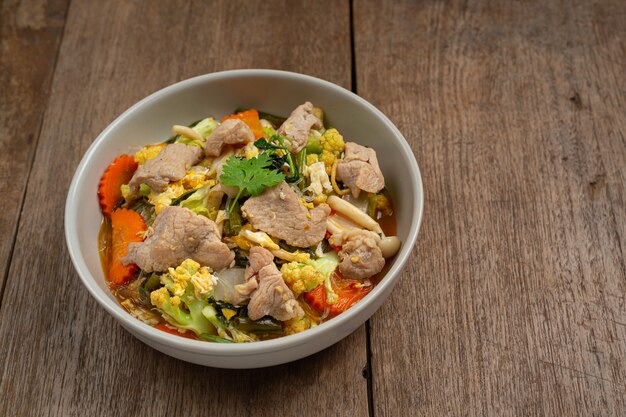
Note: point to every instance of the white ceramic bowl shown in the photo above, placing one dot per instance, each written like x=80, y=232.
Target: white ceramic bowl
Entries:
x=217, y=94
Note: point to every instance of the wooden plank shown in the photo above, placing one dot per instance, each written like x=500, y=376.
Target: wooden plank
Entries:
x=60, y=353
x=514, y=301
x=30, y=34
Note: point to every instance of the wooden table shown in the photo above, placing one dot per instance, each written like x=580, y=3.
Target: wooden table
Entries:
x=514, y=302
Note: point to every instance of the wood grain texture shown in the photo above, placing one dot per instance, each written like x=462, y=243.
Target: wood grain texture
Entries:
x=514, y=302
x=30, y=34
x=60, y=353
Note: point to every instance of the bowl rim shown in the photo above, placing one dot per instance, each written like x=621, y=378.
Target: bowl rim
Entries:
x=239, y=349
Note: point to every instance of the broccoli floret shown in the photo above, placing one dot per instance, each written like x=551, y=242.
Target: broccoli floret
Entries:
x=184, y=295
x=182, y=312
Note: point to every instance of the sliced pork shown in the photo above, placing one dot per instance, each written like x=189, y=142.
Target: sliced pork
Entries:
x=279, y=213
x=298, y=126
x=359, y=170
x=361, y=255
x=178, y=234
x=171, y=164
x=258, y=258
x=230, y=132
x=273, y=297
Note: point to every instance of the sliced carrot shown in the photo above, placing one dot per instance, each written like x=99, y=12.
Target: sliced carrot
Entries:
x=251, y=118
x=165, y=328
x=127, y=226
x=349, y=292
x=117, y=174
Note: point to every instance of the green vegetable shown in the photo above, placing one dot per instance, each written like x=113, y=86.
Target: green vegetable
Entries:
x=301, y=166
x=263, y=325
x=326, y=265
x=152, y=283
x=186, y=315
x=251, y=176
x=200, y=202
x=204, y=127
x=224, y=328
x=262, y=143
x=314, y=145
x=371, y=205
x=234, y=219
x=292, y=167
x=277, y=142
x=184, y=196
x=144, y=190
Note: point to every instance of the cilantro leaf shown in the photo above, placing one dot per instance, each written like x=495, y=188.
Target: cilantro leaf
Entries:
x=251, y=176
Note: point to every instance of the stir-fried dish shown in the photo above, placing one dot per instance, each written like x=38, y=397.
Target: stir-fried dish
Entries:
x=247, y=229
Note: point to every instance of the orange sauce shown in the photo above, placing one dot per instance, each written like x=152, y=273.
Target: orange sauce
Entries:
x=124, y=292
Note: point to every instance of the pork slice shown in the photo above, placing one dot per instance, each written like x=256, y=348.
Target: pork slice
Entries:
x=178, y=234
x=298, y=126
x=171, y=164
x=258, y=258
x=359, y=170
x=361, y=256
x=279, y=213
x=273, y=297
x=230, y=132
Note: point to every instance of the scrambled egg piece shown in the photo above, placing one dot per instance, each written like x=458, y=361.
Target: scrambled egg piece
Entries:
x=306, y=204
x=195, y=179
x=228, y=313
x=301, y=278
x=190, y=271
x=297, y=325
x=148, y=152
x=332, y=146
x=250, y=151
x=164, y=199
x=319, y=181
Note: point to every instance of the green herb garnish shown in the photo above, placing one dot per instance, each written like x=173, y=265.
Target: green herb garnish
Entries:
x=251, y=176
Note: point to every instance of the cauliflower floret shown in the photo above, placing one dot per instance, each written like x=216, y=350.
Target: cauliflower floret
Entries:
x=301, y=278
x=312, y=158
x=332, y=146
x=190, y=271
x=297, y=325
x=148, y=152
x=319, y=181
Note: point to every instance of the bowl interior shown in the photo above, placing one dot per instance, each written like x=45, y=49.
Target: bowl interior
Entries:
x=150, y=121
